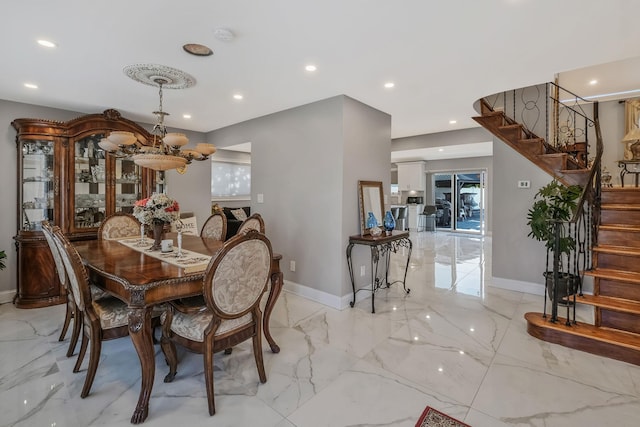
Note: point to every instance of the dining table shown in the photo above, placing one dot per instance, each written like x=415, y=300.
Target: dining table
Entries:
x=142, y=279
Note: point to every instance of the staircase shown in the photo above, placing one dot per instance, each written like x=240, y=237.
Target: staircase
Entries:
x=564, y=166
x=616, y=294
x=614, y=225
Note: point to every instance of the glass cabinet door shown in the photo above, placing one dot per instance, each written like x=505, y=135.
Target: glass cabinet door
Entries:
x=90, y=184
x=128, y=185
x=38, y=183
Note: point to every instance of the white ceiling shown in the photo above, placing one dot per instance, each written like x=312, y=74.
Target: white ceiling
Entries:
x=442, y=55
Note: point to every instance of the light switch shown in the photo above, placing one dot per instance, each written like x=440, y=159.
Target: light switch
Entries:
x=524, y=184
x=260, y=198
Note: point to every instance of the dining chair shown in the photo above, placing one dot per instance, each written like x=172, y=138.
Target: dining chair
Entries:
x=254, y=222
x=234, y=282
x=103, y=319
x=215, y=227
x=71, y=310
x=119, y=225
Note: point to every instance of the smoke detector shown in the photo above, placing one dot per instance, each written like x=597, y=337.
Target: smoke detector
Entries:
x=223, y=34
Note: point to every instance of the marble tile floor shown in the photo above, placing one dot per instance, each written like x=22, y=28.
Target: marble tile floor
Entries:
x=455, y=343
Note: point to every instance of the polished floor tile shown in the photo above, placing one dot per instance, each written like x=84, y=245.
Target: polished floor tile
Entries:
x=455, y=343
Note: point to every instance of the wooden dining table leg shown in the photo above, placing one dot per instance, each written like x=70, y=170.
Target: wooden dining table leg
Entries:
x=277, y=279
x=141, y=333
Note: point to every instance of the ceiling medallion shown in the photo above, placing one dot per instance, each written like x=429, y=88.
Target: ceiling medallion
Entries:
x=149, y=74
x=166, y=151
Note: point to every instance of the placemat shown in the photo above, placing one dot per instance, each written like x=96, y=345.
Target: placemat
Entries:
x=190, y=261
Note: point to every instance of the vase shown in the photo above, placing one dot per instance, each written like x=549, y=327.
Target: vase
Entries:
x=371, y=221
x=567, y=285
x=389, y=222
x=158, y=234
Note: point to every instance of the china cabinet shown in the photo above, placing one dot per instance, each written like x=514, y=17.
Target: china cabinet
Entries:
x=66, y=178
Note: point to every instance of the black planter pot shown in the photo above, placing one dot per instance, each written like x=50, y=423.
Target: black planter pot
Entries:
x=567, y=284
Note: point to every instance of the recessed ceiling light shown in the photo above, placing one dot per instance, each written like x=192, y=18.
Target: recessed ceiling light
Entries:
x=46, y=43
x=197, y=49
x=238, y=96
x=593, y=82
x=31, y=85
x=389, y=85
x=186, y=116
x=311, y=67
x=441, y=149
x=453, y=122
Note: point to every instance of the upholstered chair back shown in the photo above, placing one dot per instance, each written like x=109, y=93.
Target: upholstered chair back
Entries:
x=215, y=227
x=55, y=252
x=118, y=226
x=254, y=222
x=237, y=276
x=76, y=273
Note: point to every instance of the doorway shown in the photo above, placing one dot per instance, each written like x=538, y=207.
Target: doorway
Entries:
x=459, y=198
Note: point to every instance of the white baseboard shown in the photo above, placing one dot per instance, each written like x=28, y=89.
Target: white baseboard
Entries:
x=6, y=296
x=333, y=301
x=518, y=285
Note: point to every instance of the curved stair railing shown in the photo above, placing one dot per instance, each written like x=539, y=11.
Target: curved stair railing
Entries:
x=561, y=124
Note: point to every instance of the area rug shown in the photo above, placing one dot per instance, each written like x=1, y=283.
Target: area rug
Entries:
x=434, y=418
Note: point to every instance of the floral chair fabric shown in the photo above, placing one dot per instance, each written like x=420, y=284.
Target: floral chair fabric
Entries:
x=254, y=222
x=102, y=319
x=118, y=226
x=233, y=285
x=215, y=227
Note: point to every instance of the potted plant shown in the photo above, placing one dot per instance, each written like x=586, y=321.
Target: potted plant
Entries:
x=554, y=205
x=2, y=257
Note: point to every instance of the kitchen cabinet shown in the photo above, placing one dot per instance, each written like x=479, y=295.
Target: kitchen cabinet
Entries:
x=412, y=176
x=64, y=177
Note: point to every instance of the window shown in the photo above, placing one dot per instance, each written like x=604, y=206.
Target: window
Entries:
x=230, y=180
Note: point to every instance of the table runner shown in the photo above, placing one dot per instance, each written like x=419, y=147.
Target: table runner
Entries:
x=190, y=261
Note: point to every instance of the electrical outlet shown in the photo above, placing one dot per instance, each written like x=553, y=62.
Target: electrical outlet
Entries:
x=362, y=270
x=524, y=184
x=292, y=265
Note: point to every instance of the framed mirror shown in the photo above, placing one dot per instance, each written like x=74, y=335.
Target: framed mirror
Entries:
x=370, y=199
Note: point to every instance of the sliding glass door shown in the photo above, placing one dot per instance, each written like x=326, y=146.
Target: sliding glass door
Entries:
x=460, y=200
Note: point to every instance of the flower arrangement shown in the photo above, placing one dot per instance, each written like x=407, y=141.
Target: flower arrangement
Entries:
x=159, y=208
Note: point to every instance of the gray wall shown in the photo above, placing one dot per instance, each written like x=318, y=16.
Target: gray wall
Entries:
x=518, y=261
x=306, y=161
x=192, y=190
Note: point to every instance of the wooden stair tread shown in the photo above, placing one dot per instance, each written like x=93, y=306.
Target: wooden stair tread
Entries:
x=510, y=126
x=531, y=140
x=605, y=342
x=618, y=250
x=492, y=113
x=620, y=227
x=626, y=339
x=620, y=207
x=610, y=303
x=619, y=275
x=620, y=189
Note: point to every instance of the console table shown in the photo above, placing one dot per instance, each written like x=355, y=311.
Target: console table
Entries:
x=635, y=169
x=381, y=247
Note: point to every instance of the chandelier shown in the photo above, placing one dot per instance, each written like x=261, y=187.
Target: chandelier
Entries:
x=165, y=153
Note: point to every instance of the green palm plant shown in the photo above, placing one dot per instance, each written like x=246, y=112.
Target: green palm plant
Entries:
x=554, y=203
